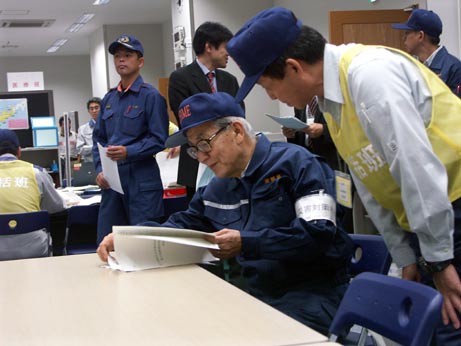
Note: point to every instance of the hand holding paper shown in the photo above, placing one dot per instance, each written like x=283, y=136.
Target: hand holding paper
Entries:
x=141, y=247
x=110, y=170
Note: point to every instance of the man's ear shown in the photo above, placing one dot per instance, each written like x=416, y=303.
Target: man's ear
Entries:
x=238, y=130
x=293, y=65
x=141, y=62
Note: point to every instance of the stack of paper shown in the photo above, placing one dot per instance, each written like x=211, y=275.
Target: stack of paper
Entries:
x=142, y=247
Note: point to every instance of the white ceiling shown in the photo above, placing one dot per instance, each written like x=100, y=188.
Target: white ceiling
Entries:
x=35, y=41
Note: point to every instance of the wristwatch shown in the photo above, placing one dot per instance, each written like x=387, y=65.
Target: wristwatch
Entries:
x=432, y=267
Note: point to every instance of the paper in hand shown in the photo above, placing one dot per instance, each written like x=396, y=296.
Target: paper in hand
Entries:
x=110, y=170
x=289, y=122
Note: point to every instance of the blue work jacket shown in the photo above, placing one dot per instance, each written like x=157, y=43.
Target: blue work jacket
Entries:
x=448, y=68
x=280, y=252
x=136, y=118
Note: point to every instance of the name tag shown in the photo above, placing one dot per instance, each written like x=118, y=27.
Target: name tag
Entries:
x=343, y=189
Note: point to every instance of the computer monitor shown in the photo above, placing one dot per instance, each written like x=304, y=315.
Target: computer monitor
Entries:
x=45, y=137
x=40, y=122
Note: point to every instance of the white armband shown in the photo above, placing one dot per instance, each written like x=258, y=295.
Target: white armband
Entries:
x=319, y=206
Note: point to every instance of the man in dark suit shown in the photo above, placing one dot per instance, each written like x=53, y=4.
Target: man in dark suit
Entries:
x=203, y=75
x=319, y=140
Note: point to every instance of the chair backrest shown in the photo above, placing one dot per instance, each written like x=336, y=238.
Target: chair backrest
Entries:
x=370, y=255
x=81, y=232
x=25, y=235
x=403, y=311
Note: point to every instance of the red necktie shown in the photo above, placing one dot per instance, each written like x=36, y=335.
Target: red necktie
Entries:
x=210, y=76
x=313, y=106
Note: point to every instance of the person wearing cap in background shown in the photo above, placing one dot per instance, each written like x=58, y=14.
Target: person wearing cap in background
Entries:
x=133, y=126
x=85, y=132
x=270, y=205
x=24, y=187
x=422, y=38
x=393, y=121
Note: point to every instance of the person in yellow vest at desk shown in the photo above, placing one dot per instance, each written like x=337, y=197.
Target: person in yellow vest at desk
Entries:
x=394, y=122
x=24, y=188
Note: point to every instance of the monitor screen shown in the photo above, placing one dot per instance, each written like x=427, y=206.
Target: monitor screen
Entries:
x=37, y=122
x=46, y=137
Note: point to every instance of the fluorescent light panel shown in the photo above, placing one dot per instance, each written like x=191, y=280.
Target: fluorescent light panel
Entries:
x=85, y=18
x=56, y=45
x=101, y=2
x=80, y=22
x=75, y=27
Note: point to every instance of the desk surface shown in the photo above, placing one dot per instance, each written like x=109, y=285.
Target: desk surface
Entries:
x=71, y=300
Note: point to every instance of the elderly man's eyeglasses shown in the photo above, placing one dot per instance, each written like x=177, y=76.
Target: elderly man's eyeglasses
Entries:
x=204, y=145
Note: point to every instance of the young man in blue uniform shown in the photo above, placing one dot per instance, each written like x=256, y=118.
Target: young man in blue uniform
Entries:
x=394, y=122
x=271, y=205
x=133, y=126
x=422, y=39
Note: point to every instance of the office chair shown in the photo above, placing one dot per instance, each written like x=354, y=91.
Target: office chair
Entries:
x=370, y=254
x=25, y=235
x=81, y=230
x=403, y=311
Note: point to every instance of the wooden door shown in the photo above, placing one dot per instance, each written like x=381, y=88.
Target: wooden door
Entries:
x=163, y=90
x=367, y=27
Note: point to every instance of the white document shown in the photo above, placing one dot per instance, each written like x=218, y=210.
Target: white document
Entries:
x=71, y=198
x=143, y=247
x=168, y=168
x=110, y=170
x=91, y=200
x=289, y=122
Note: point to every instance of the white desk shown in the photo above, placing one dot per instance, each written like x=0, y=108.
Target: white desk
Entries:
x=71, y=300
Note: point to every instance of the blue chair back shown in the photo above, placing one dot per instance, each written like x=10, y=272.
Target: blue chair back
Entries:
x=370, y=255
x=20, y=223
x=406, y=312
x=25, y=235
x=81, y=232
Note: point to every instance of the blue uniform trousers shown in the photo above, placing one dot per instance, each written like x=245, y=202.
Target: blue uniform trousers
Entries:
x=142, y=199
x=312, y=306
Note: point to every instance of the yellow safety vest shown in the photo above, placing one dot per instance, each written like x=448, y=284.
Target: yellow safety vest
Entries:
x=18, y=187
x=444, y=132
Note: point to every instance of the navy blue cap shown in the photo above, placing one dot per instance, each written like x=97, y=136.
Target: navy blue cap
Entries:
x=260, y=41
x=128, y=41
x=422, y=20
x=201, y=108
x=9, y=136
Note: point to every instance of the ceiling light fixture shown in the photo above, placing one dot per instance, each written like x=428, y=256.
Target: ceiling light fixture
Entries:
x=75, y=27
x=101, y=2
x=56, y=45
x=80, y=22
x=85, y=18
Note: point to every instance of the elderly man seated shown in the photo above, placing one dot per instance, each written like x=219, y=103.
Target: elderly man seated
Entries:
x=271, y=205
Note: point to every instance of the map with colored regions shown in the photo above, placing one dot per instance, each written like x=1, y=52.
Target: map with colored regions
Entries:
x=14, y=114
